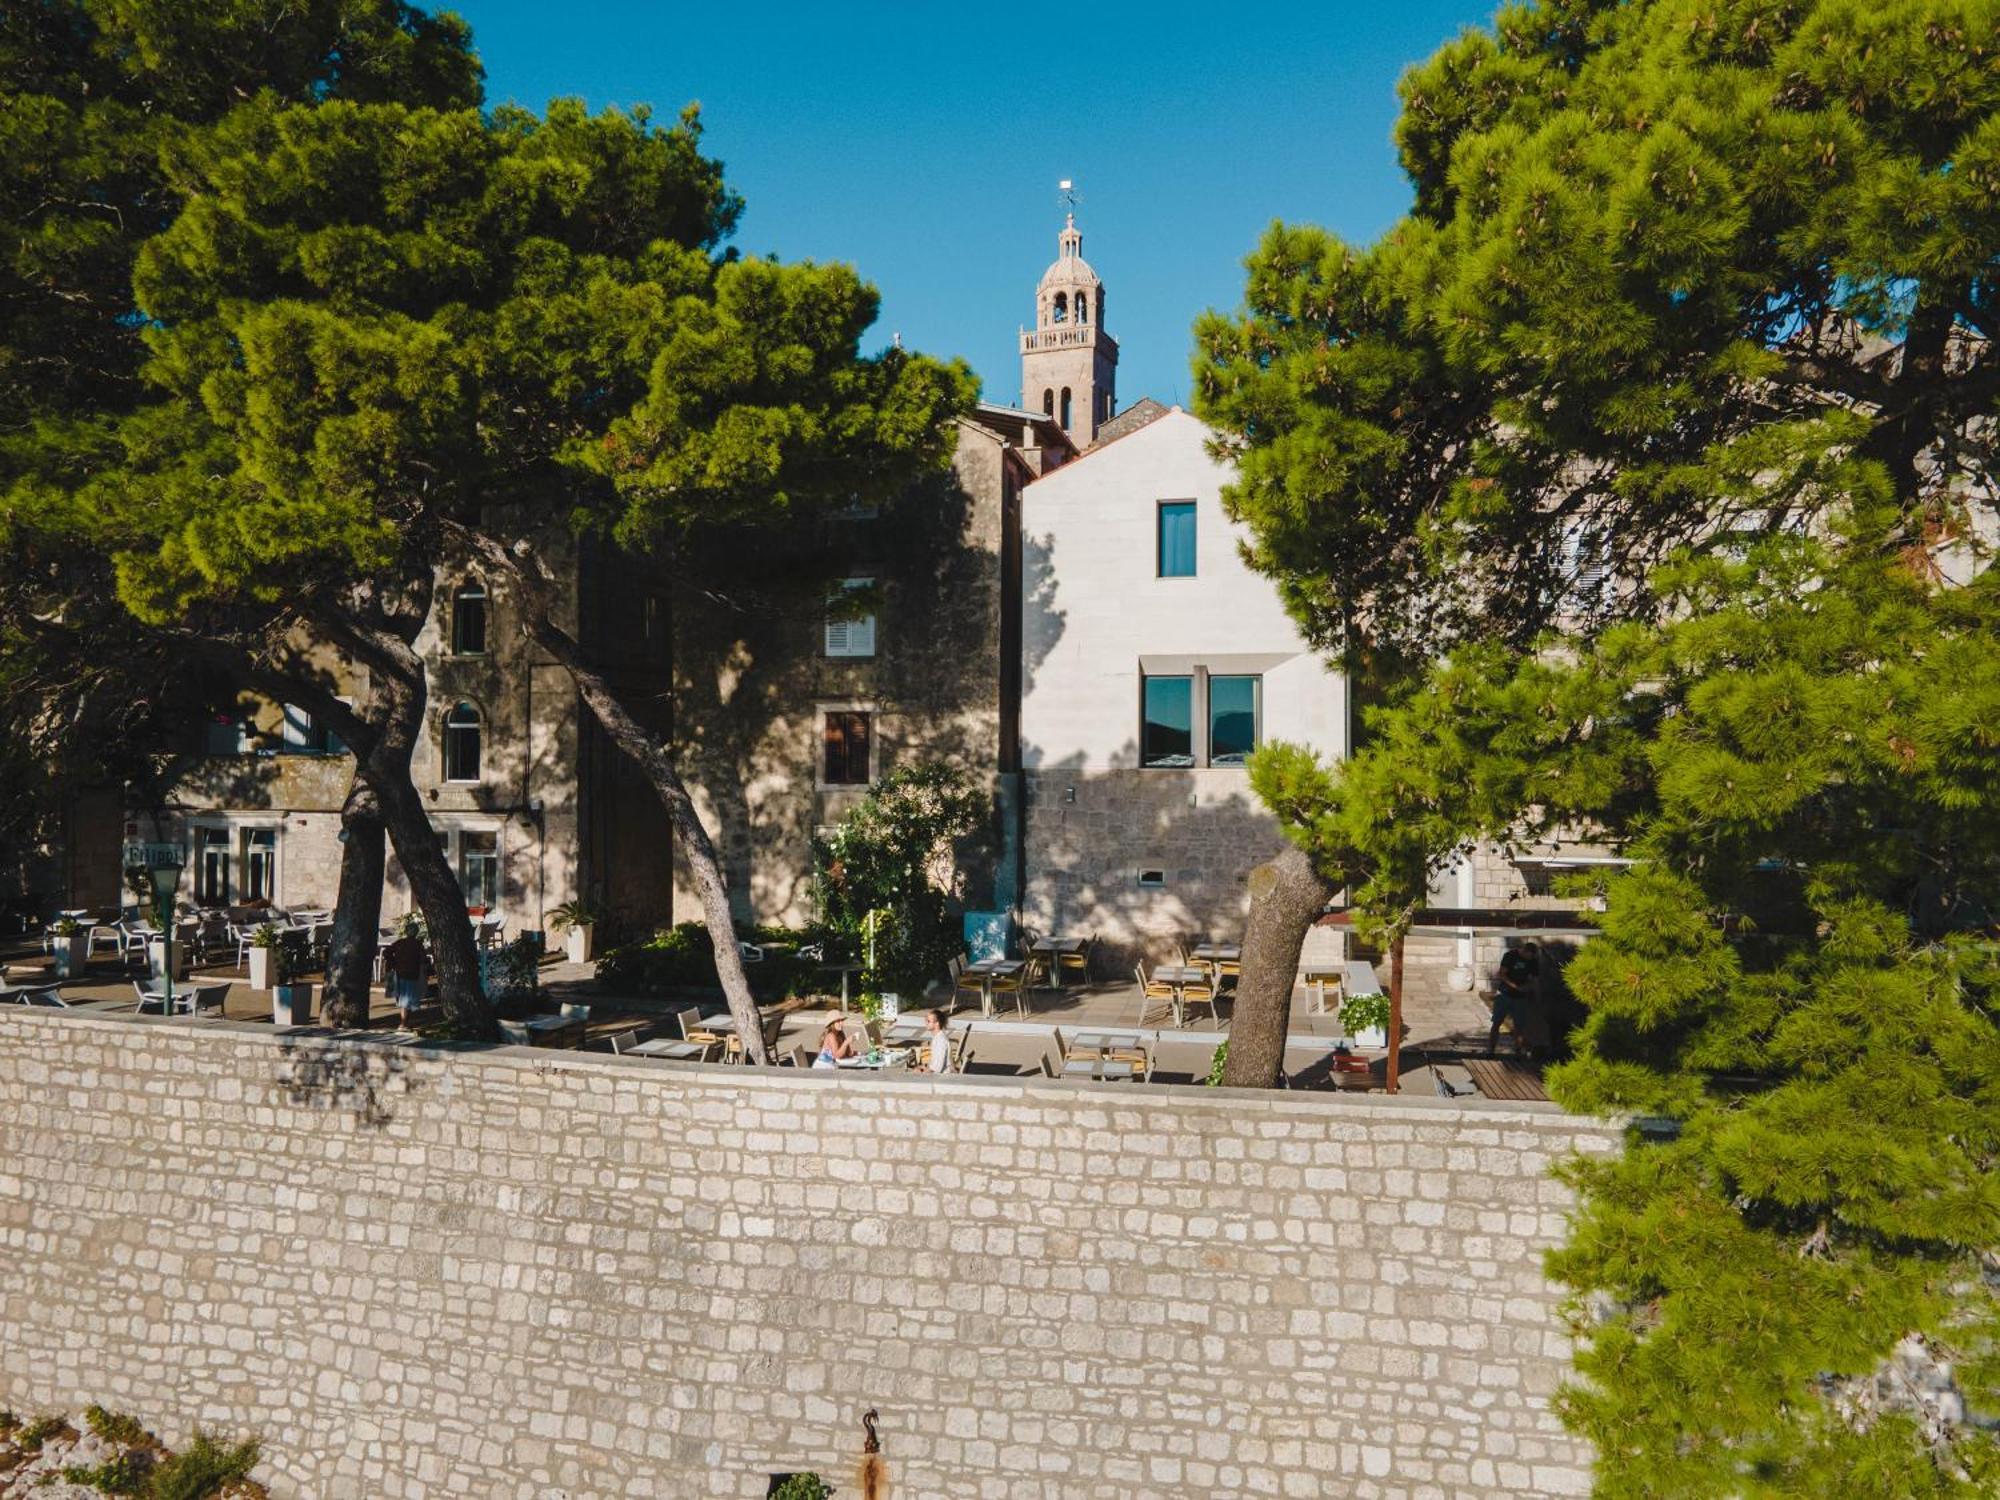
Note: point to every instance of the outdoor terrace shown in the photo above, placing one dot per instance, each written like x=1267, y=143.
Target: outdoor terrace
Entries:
x=1036, y=1026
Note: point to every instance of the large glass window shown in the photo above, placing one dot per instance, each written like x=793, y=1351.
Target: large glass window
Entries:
x=847, y=736
x=1177, y=539
x=260, y=864
x=1166, y=735
x=211, y=867
x=462, y=743
x=468, y=621
x=479, y=868
x=1232, y=719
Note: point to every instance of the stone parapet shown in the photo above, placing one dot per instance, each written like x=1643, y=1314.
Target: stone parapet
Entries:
x=509, y=1273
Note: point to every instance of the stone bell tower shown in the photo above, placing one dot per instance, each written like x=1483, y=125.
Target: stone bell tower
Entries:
x=1069, y=364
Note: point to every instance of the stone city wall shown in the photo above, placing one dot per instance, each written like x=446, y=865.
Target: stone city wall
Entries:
x=526, y=1274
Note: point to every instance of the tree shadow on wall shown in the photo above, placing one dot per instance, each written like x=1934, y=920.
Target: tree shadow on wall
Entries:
x=751, y=670
x=351, y=1077
x=1086, y=858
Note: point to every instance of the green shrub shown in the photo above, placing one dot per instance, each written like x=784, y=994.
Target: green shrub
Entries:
x=802, y=1487
x=39, y=1431
x=1216, y=1064
x=891, y=868
x=683, y=958
x=1365, y=1013
x=202, y=1469
x=124, y=1475
x=116, y=1427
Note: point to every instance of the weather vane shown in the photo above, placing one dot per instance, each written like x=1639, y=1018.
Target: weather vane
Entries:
x=1067, y=195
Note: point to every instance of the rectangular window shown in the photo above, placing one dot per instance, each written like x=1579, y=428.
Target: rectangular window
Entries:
x=1166, y=734
x=847, y=735
x=211, y=867
x=260, y=864
x=1177, y=539
x=305, y=735
x=849, y=631
x=479, y=868
x=224, y=735
x=1232, y=719
x=468, y=621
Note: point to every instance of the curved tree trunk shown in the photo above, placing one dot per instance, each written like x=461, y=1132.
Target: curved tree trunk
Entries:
x=703, y=863
x=1287, y=894
x=652, y=758
x=357, y=913
x=454, y=956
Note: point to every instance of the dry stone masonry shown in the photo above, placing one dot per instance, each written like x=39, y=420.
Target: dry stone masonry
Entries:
x=521, y=1274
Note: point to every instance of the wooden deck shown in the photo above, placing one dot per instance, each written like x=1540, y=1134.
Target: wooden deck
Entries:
x=1505, y=1078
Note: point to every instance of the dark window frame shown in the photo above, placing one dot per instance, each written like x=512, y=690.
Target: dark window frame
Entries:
x=847, y=743
x=1164, y=759
x=455, y=730
x=463, y=598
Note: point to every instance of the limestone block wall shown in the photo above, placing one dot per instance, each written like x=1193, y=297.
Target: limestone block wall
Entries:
x=506, y=1273
x=1097, y=839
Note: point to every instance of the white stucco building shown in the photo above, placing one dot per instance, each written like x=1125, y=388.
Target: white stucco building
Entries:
x=1153, y=661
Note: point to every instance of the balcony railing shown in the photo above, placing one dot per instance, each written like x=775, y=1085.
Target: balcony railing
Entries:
x=1065, y=336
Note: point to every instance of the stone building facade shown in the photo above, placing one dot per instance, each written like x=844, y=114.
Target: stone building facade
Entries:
x=791, y=704
x=532, y=803
x=1155, y=660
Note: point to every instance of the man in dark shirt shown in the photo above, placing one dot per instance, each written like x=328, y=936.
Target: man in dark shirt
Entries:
x=1519, y=968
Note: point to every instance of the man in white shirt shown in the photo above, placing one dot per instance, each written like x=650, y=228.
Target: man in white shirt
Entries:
x=940, y=1042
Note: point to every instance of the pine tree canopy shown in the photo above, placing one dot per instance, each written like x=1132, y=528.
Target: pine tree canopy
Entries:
x=1671, y=264
x=1643, y=473
x=371, y=320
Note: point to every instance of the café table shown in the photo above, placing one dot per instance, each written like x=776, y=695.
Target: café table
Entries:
x=1053, y=949
x=989, y=969
x=1113, y=1054
x=877, y=1060
x=1180, y=976
x=671, y=1047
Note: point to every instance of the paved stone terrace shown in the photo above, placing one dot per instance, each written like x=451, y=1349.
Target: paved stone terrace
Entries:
x=514, y=1273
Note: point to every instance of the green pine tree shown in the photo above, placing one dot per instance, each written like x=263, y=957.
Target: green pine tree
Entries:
x=1642, y=475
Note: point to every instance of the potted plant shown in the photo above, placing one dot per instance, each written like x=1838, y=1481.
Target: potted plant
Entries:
x=263, y=947
x=1365, y=1019
x=72, y=948
x=578, y=918
x=799, y=1487
x=291, y=1001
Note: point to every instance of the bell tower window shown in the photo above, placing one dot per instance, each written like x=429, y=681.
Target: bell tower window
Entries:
x=1065, y=409
x=1060, y=314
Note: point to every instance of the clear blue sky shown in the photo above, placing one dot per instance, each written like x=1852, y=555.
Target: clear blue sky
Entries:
x=922, y=142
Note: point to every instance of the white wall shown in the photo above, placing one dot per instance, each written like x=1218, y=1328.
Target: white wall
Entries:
x=1095, y=605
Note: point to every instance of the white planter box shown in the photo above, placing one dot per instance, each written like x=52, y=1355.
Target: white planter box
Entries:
x=579, y=944
x=260, y=967
x=156, y=960
x=72, y=953
x=1372, y=1036
x=291, y=1005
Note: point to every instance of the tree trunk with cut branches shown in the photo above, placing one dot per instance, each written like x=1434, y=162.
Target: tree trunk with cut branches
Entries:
x=1287, y=894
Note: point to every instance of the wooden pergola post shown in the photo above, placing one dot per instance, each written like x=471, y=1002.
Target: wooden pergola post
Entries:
x=1395, y=1012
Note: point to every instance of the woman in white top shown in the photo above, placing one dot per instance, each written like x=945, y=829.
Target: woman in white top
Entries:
x=833, y=1045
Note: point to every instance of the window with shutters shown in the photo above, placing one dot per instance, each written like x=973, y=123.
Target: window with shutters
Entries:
x=849, y=736
x=850, y=619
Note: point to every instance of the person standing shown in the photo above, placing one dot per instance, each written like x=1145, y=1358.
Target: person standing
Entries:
x=1519, y=969
x=403, y=963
